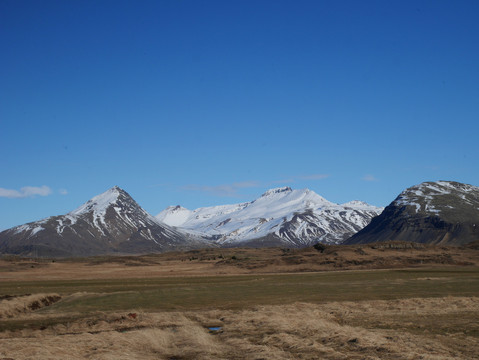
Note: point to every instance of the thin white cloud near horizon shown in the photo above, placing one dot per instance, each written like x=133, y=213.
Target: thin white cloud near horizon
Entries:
x=293, y=179
x=314, y=177
x=233, y=190
x=25, y=192
x=225, y=190
x=369, y=177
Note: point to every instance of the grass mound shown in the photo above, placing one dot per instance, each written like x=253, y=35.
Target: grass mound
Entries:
x=12, y=306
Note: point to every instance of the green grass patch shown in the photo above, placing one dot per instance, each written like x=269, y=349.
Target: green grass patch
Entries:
x=235, y=292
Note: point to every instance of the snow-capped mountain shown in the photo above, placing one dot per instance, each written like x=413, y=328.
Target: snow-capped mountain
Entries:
x=441, y=212
x=281, y=216
x=108, y=223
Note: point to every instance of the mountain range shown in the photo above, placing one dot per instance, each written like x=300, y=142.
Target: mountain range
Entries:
x=442, y=212
x=113, y=223
x=281, y=216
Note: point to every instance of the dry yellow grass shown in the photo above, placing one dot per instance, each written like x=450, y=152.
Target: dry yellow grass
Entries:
x=318, y=326
x=14, y=306
x=215, y=262
x=337, y=330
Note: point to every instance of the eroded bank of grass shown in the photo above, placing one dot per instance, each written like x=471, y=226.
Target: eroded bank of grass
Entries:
x=13, y=306
x=332, y=330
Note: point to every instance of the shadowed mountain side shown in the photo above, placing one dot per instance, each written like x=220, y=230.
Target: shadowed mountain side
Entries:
x=442, y=212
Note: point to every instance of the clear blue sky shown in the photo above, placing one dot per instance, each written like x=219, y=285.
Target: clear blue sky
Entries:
x=204, y=103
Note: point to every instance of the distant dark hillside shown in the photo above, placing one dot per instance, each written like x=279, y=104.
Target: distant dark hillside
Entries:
x=443, y=212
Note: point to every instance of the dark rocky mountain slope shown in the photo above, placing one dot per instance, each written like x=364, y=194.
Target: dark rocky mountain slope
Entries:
x=442, y=212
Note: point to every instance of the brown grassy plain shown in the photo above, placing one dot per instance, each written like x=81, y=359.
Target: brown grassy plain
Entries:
x=237, y=261
x=357, y=302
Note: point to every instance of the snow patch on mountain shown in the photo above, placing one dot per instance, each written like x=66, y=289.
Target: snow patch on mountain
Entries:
x=98, y=204
x=174, y=215
x=36, y=230
x=357, y=204
x=426, y=196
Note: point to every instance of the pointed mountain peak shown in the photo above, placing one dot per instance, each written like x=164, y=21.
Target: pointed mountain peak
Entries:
x=296, y=196
x=100, y=203
x=174, y=209
x=116, y=189
x=284, y=189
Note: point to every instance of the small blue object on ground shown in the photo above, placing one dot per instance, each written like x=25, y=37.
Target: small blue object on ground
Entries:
x=215, y=328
